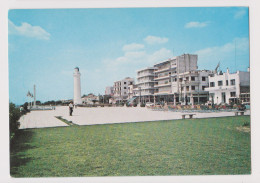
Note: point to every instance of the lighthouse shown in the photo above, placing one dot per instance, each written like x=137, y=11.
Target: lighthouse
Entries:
x=77, y=87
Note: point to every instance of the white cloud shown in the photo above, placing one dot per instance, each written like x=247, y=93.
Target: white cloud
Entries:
x=131, y=61
x=240, y=14
x=28, y=30
x=130, y=57
x=138, y=59
x=160, y=55
x=133, y=46
x=196, y=24
x=155, y=40
x=224, y=53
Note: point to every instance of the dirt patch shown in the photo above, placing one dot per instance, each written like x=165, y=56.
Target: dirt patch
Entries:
x=243, y=129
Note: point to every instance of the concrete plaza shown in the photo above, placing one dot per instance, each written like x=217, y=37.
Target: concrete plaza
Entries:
x=104, y=115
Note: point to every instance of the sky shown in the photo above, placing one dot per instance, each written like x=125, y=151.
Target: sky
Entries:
x=109, y=44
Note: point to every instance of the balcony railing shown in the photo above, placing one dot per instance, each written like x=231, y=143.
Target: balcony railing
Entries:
x=161, y=77
x=162, y=70
x=145, y=74
x=163, y=84
x=190, y=82
x=145, y=81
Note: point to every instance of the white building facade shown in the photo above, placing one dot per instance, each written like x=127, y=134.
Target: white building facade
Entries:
x=168, y=77
x=145, y=84
x=225, y=88
x=191, y=88
x=109, y=90
x=121, y=89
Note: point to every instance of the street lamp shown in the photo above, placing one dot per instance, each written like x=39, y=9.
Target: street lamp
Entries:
x=139, y=95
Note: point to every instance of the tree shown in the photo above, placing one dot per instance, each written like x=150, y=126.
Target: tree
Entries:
x=14, y=116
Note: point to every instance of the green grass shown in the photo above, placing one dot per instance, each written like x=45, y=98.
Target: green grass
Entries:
x=179, y=147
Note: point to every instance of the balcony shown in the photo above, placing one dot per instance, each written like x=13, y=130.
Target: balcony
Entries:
x=184, y=83
x=220, y=88
x=162, y=92
x=162, y=70
x=144, y=81
x=161, y=85
x=162, y=77
x=144, y=75
x=147, y=87
x=173, y=65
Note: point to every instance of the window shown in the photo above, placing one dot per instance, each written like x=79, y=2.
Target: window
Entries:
x=203, y=87
x=192, y=78
x=187, y=88
x=124, y=87
x=187, y=78
x=131, y=83
x=232, y=94
x=220, y=83
x=203, y=78
x=212, y=84
x=124, y=82
x=180, y=79
x=226, y=82
x=232, y=81
x=192, y=87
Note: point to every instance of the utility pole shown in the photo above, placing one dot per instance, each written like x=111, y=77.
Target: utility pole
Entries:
x=34, y=95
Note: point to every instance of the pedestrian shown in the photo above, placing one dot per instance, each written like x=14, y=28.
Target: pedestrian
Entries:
x=71, y=108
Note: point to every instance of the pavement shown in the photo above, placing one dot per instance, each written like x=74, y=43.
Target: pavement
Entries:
x=104, y=115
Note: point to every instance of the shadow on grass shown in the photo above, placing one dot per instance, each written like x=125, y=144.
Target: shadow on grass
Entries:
x=18, y=148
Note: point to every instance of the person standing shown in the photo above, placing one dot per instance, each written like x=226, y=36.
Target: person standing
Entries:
x=71, y=108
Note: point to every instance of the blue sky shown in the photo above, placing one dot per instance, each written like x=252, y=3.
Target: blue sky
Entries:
x=110, y=44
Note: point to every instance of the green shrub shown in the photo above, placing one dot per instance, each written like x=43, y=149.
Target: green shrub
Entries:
x=246, y=123
x=14, y=116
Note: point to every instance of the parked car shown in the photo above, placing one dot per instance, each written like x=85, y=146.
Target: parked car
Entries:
x=149, y=104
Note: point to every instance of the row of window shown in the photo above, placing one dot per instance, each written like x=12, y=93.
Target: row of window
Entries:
x=220, y=83
x=192, y=78
x=192, y=88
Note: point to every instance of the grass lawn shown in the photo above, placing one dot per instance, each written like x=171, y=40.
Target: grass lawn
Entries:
x=179, y=147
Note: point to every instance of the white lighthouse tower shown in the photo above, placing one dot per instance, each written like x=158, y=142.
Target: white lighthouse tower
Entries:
x=77, y=87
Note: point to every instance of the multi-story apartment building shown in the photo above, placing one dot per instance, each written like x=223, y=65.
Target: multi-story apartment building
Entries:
x=121, y=89
x=131, y=91
x=229, y=87
x=145, y=84
x=109, y=90
x=190, y=89
x=167, y=76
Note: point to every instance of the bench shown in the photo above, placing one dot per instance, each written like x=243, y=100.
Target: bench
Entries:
x=241, y=113
x=190, y=115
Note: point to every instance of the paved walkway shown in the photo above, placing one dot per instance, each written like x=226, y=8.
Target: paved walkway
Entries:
x=40, y=119
x=104, y=115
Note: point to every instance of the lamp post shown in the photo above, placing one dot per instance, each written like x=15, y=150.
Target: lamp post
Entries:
x=139, y=95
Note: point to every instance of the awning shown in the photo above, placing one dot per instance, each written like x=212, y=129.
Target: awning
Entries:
x=163, y=94
x=131, y=100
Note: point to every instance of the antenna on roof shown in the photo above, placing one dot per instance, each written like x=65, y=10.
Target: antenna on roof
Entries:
x=216, y=70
